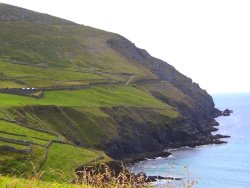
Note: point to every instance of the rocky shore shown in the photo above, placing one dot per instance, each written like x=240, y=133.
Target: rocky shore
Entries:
x=212, y=139
x=215, y=139
x=118, y=166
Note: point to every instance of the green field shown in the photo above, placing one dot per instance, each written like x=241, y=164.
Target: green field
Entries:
x=92, y=97
x=9, y=182
x=63, y=159
x=14, y=162
x=18, y=76
x=55, y=112
x=61, y=53
x=29, y=134
x=17, y=146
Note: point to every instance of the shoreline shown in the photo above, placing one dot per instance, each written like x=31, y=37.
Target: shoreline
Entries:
x=117, y=165
x=211, y=139
x=167, y=151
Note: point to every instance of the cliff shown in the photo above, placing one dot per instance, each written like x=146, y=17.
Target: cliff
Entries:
x=95, y=89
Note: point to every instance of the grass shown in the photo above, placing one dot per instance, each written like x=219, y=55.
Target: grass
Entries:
x=168, y=91
x=103, y=96
x=17, y=146
x=29, y=134
x=71, y=47
x=16, y=163
x=76, y=114
x=13, y=163
x=88, y=126
x=43, y=77
x=58, y=154
x=10, y=84
x=92, y=97
x=33, y=16
x=9, y=182
x=71, y=157
x=24, y=138
x=102, y=178
x=17, y=71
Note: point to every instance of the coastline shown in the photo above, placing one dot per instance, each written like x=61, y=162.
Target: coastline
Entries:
x=213, y=139
x=118, y=165
x=167, y=151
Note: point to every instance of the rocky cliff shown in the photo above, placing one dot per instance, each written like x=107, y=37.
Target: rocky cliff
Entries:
x=97, y=89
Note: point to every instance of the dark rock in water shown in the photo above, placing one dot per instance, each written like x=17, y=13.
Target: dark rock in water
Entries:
x=142, y=157
x=155, y=178
x=178, y=178
x=219, y=142
x=213, y=129
x=215, y=124
x=222, y=136
x=161, y=177
x=172, y=178
x=152, y=178
x=227, y=112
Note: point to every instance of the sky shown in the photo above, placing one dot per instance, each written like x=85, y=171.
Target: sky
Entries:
x=206, y=40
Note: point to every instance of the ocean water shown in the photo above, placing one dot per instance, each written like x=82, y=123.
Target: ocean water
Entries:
x=216, y=166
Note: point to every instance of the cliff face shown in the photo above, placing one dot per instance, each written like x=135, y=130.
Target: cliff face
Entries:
x=145, y=130
x=196, y=106
x=165, y=72
x=97, y=89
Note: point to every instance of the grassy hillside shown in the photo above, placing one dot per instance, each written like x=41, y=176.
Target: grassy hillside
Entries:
x=92, y=97
x=24, y=183
x=33, y=150
x=73, y=114
x=73, y=95
x=53, y=168
x=70, y=47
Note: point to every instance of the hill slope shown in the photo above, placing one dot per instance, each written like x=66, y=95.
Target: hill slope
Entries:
x=89, y=91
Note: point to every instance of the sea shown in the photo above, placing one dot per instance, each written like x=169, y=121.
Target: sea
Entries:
x=211, y=166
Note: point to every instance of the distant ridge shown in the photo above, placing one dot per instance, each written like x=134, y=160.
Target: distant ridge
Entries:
x=14, y=13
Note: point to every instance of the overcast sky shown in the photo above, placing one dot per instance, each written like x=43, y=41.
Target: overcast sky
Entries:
x=207, y=40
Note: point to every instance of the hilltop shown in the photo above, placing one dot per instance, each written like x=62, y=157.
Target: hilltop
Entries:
x=73, y=95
